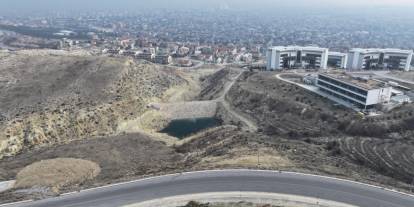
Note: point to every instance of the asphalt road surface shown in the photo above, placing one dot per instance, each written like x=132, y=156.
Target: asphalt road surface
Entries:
x=231, y=180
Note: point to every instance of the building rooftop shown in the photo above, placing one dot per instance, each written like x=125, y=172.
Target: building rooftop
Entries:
x=339, y=54
x=362, y=81
x=381, y=50
x=294, y=48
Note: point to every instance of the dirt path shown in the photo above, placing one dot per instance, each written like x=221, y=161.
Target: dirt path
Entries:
x=250, y=125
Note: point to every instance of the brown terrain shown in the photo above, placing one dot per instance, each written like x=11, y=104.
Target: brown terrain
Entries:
x=383, y=143
x=46, y=100
x=79, y=107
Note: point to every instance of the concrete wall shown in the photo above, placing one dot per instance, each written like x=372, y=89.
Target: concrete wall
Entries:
x=377, y=96
x=408, y=64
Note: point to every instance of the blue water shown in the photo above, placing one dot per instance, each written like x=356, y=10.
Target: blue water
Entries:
x=185, y=127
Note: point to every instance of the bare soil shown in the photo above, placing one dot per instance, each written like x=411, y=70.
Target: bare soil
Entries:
x=55, y=173
x=120, y=158
x=47, y=99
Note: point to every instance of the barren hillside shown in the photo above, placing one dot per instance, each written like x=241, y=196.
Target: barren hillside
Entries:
x=47, y=99
x=285, y=110
x=298, y=131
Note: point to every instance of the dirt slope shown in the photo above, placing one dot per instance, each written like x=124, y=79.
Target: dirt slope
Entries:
x=47, y=99
x=282, y=108
x=383, y=144
x=120, y=158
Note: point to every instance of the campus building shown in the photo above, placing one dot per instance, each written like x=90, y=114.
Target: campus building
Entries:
x=292, y=57
x=377, y=59
x=337, y=60
x=362, y=92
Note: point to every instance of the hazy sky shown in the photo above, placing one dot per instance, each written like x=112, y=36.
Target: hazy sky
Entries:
x=82, y=5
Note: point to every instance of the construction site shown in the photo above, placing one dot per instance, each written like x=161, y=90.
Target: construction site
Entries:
x=105, y=120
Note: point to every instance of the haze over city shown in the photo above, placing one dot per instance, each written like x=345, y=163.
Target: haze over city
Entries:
x=27, y=6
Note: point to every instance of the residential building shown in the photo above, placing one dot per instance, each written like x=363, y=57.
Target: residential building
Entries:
x=145, y=56
x=163, y=59
x=113, y=51
x=292, y=57
x=129, y=53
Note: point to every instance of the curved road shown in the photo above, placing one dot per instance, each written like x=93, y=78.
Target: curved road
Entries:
x=232, y=180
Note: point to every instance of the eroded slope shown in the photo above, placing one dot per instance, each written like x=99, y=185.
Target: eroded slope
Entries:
x=54, y=99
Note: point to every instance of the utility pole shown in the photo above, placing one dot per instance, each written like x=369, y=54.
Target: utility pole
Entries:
x=258, y=156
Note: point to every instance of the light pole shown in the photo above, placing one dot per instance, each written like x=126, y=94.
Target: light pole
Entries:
x=258, y=156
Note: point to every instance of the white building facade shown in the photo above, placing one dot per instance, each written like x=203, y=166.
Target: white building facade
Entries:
x=337, y=60
x=364, y=94
x=377, y=59
x=292, y=57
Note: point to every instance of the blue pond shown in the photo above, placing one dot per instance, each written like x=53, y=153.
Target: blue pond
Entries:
x=185, y=127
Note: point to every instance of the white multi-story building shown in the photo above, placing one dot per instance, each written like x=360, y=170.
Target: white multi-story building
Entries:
x=291, y=57
x=375, y=59
x=362, y=92
x=337, y=60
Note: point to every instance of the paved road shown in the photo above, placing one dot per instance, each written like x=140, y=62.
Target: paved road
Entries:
x=232, y=180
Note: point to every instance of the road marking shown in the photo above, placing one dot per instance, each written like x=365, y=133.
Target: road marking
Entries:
x=66, y=194
x=15, y=203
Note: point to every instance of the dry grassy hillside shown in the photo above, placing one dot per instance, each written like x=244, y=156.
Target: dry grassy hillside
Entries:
x=298, y=130
x=120, y=158
x=213, y=85
x=284, y=109
x=382, y=143
x=47, y=99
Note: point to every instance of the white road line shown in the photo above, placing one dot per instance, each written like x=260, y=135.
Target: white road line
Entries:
x=66, y=194
x=15, y=203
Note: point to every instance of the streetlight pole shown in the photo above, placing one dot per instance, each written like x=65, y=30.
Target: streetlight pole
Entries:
x=258, y=156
